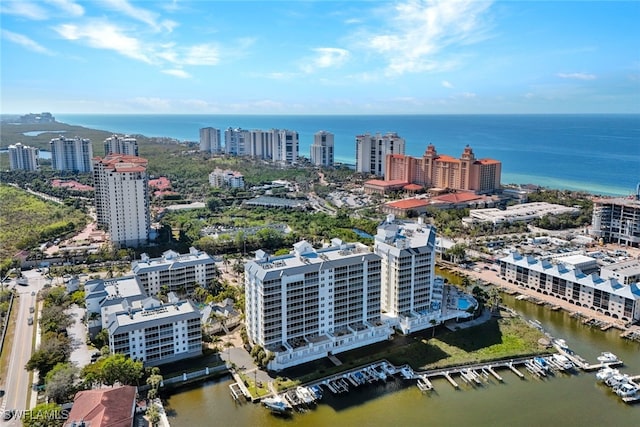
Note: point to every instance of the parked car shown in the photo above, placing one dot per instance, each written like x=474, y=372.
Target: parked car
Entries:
x=30, y=321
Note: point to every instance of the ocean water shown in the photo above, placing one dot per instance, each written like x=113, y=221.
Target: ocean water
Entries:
x=599, y=154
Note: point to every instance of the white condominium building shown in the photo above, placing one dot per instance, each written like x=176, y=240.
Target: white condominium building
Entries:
x=607, y=296
x=372, y=150
x=285, y=148
x=156, y=333
x=71, y=154
x=23, y=157
x=236, y=141
x=121, y=145
x=322, y=149
x=314, y=303
x=411, y=293
x=617, y=220
x=226, y=178
x=180, y=273
x=261, y=144
x=122, y=198
x=210, y=141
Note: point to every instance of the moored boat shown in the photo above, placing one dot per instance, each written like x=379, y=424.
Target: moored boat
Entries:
x=562, y=361
x=605, y=373
x=276, y=405
x=627, y=389
x=607, y=357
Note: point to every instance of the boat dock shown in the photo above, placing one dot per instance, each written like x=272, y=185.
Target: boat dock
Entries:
x=473, y=375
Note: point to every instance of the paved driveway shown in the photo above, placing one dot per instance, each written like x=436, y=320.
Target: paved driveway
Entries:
x=80, y=353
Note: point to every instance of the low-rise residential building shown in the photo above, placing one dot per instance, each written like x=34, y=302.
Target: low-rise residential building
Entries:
x=226, y=178
x=180, y=273
x=313, y=303
x=220, y=317
x=156, y=333
x=105, y=295
x=103, y=407
x=525, y=212
x=626, y=272
x=607, y=296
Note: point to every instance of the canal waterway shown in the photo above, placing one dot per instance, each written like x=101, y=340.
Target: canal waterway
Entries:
x=564, y=399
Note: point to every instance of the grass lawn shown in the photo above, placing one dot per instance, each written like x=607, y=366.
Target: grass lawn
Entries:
x=498, y=338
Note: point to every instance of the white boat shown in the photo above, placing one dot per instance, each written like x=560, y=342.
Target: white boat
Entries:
x=305, y=395
x=562, y=361
x=627, y=389
x=607, y=357
x=616, y=379
x=275, y=404
x=605, y=373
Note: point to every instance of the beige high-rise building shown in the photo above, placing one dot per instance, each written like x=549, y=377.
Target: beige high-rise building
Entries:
x=122, y=198
x=442, y=171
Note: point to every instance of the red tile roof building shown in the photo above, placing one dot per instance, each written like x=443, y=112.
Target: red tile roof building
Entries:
x=437, y=170
x=104, y=407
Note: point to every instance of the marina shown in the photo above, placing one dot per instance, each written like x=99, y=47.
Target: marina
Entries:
x=397, y=401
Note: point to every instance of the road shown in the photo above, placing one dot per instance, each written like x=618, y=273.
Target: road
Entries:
x=17, y=382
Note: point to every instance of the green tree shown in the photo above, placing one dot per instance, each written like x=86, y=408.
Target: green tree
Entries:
x=61, y=382
x=45, y=415
x=153, y=381
x=53, y=349
x=153, y=415
x=119, y=368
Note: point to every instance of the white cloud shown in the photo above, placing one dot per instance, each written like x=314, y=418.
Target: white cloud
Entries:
x=421, y=30
x=326, y=57
x=69, y=7
x=447, y=84
x=203, y=54
x=577, y=76
x=25, y=42
x=25, y=9
x=140, y=14
x=177, y=73
x=104, y=35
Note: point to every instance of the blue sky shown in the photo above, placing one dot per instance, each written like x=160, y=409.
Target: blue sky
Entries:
x=319, y=57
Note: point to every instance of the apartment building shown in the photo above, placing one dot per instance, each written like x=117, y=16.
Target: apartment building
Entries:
x=607, y=296
x=322, y=149
x=71, y=154
x=236, y=141
x=156, y=333
x=617, y=220
x=434, y=170
x=210, y=141
x=103, y=296
x=625, y=272
x=411, y=293
x=261, y=144
x=178, y=272
x=285, y=146
x=313, y=303
x=118, y=144
x=23, y=157
x=372, y=151
x=122, y=198
x=226, y=178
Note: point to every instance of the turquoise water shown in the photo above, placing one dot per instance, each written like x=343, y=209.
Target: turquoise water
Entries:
x=594, y=153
